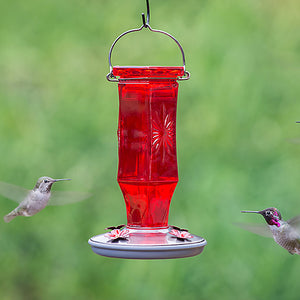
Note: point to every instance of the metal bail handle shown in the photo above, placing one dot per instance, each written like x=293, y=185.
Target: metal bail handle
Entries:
x=111, y=77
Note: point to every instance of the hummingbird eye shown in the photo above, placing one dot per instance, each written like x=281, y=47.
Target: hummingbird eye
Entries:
x=268, y=212
x=46, y=181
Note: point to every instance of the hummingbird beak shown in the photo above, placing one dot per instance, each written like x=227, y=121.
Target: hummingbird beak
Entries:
x=251, y=211
x=55, y=180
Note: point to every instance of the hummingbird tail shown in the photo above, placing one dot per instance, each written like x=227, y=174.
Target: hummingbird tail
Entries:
x=10, y=216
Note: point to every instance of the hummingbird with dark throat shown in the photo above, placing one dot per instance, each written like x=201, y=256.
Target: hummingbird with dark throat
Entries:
x=285, y=233
x=33, y=201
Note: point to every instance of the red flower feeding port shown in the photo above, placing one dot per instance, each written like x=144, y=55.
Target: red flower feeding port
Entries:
x=147, y=173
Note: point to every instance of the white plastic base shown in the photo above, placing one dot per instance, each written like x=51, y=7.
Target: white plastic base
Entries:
x=148, y=244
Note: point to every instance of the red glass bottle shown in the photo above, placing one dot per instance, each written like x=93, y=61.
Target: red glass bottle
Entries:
x=147, y=172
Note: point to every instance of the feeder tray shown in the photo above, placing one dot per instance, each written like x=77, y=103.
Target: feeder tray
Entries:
x=147, y=172
x=147, y=244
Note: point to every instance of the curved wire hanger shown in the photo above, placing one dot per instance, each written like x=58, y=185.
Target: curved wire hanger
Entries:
x=111, y=77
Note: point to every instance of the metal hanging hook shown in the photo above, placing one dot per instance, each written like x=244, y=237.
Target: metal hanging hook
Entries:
x=111, y=77
x=146, y=24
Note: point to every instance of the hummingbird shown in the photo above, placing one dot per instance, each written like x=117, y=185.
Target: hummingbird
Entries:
x=33, y=201
x=285, y=233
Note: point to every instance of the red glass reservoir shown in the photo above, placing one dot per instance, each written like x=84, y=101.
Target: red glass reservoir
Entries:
x=147, y=172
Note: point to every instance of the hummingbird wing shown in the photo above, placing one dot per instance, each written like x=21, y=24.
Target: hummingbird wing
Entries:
x=260, y=229
x=295, y=225
x=13, y=192
x=295, y=222
x=294, y=141
x=67, y=197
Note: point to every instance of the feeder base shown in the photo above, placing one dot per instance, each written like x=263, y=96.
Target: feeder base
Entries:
x=147, y=244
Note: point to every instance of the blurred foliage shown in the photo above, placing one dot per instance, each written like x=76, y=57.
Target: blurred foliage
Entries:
x=238, y=144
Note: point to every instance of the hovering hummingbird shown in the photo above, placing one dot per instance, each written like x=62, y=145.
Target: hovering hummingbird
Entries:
x=285, y=233
x=33, y=201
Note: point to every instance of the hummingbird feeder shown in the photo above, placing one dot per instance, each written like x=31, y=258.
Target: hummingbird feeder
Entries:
x=147, y=172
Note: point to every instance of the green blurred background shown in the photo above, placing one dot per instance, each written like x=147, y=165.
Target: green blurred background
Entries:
x=237, y=140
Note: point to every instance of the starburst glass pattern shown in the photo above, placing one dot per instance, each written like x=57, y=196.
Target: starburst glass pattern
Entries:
x=163, y=135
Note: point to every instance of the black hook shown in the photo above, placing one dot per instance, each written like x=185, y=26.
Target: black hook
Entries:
x=146, y=24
